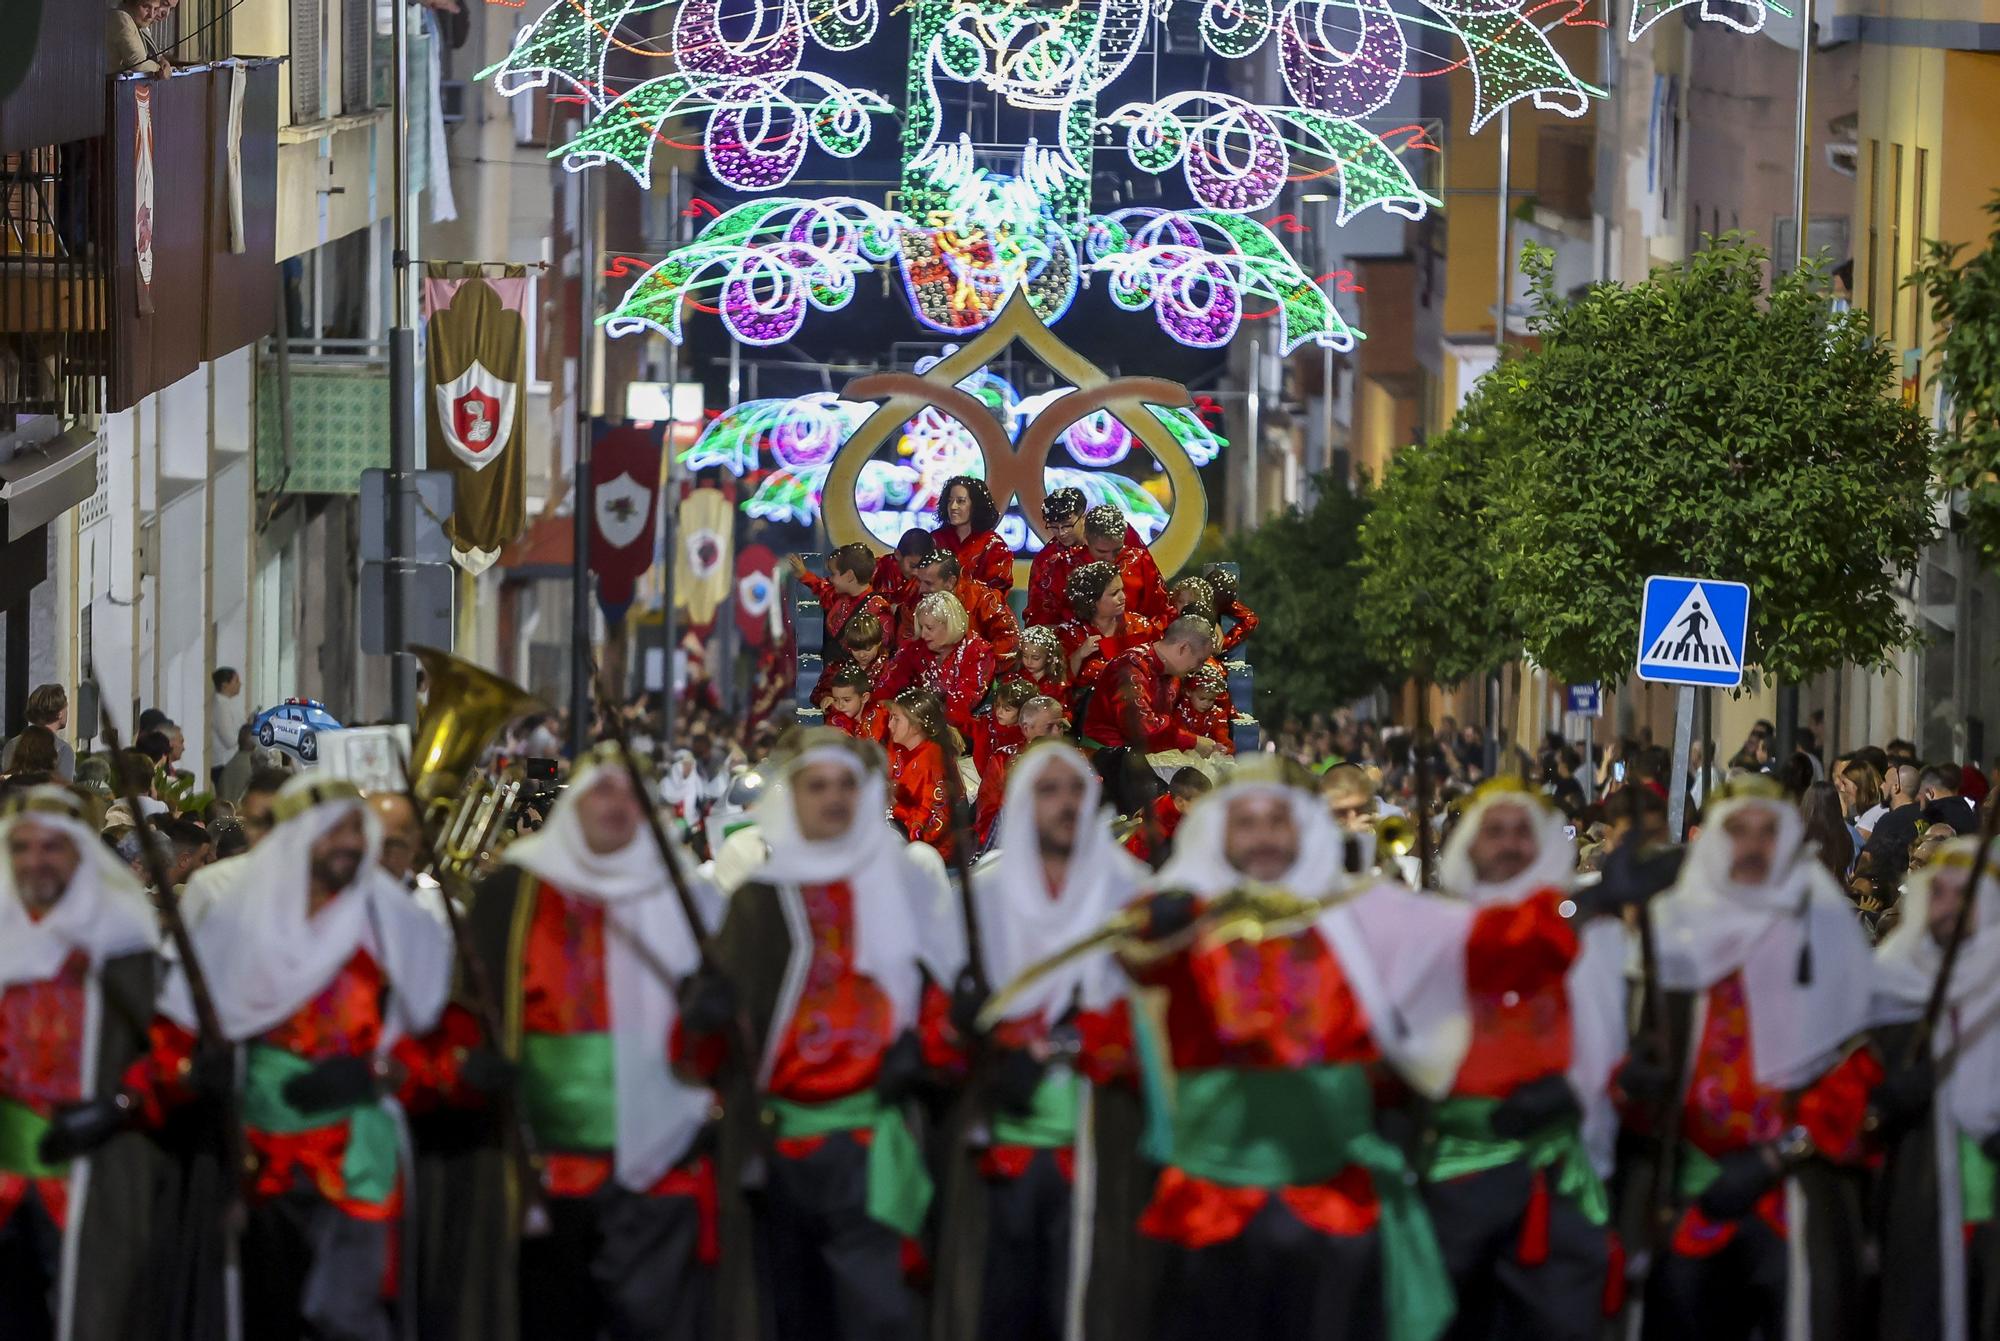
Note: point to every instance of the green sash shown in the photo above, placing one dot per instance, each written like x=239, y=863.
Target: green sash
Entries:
x=569, y=1090
x=899, y=1188
x=1050, y=1122
x=369, y=1167
x=1697, y=1170
x=1257, y=1128
x=1466, y=1145
x=21, y=1129
x=1975, y=1180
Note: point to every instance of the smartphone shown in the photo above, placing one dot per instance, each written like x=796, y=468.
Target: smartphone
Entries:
x=1618, y=771
x=1569, y=832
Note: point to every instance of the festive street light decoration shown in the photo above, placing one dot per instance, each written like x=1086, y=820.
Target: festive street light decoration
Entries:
x=966, y=236
x=1745, y=16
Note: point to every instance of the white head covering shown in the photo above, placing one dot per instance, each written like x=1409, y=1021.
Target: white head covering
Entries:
x=903, y=917
x=1021, y=921
x=1595, y=981
x=103, y=913
x=1199, y=865
x=1554, y=866
x=1795, y=924
x=267, y=954
x=658, y=1115
x=1402, y=953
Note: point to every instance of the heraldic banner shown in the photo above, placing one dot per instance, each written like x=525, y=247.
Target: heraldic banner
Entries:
x=704, y=555
x=478, y=341
x=625, y=464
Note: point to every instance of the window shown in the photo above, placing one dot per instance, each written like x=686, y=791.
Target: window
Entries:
x=1895, y=234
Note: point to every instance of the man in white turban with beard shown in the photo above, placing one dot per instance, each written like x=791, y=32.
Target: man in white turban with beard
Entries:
x=1281, y=1210
x=331, y=983
x=808, y=1026
x=1939, y=1116
x=1522, y=1144
x=1022, y=1248
x=77, y=978
x=588, y=941
x=1761, y=1097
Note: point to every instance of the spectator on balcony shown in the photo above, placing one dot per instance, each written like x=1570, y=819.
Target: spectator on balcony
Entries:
x=48, y=705
x=132, y=51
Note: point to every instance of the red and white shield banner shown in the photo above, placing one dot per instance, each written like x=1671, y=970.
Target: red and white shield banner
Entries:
x=142, y=192
x=476, y=412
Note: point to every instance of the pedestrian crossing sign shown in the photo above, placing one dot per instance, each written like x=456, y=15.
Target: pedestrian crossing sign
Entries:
x=1693, y=630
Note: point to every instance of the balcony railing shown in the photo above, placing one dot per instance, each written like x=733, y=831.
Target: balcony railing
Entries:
x=128, y=258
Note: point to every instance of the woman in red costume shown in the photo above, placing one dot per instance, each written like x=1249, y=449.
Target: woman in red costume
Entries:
x=946, y=658
x=1100, y=626
x=968, y=525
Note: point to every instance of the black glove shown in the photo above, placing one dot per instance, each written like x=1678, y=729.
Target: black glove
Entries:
x=78, y=1129
x=902, y=1070
x=337, y=1082
x=1533, y=1106
x=1903, y=1098
x=1016, y=1077
x=968, y=998
x=211, y=1072
x=1644, y=1079
x=1746, y=1175
x=488, y=1072
x=1168, y=913
x=707, y=1002
x=1631, y=875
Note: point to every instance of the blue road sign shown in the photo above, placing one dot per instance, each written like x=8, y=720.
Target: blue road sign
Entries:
x=1584, y=700
x=1693, y=630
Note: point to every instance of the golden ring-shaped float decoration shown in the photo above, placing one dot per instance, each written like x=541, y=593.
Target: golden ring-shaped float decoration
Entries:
x=1016, y=469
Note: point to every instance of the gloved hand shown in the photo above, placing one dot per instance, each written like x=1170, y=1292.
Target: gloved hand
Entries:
x=211, y=1072
x=1016, y=1077
x=902, y=1070
x=1644, y=1079
x=1631, y=875
x=488, y=1072
x=968, y=998
x=78, y=1129
x=1533, y=1106
x=1168, y=913
x=1903, y=1098
x=1746, y=1175
x=337, y=1082
x=707, y=1002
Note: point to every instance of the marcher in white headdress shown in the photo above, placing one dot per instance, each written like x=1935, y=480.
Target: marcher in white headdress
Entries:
x=823, y=962
x=1941, y=1116
x=1524, y=1140
x=1021, y=1248
x=1761, y=1087
x=76, y=962
x=589, y=940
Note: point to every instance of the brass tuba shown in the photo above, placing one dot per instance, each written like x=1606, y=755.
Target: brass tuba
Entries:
x=464, y=812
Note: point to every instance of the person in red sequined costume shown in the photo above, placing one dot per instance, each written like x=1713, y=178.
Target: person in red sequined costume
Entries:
x=845, y=593
x=586, y=935
x=1041, y=719
x=1062, y=550
x=1524, y=1140
x=828, y=954
x=76, y=950
x=1280, y=1210
x=1109, y=539
x=1055, y=1074
x=968, y=526
x=986, y=610
x=921, y=792
x=1764, y=1094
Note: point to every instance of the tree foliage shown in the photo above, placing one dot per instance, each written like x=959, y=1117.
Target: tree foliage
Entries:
x=1965, y=306
x=1695, y=424
x=1294, y=570
x=1429, y=550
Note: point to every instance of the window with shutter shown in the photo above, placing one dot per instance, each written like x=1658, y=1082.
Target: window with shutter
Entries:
x=357, y=31
x=307, y=103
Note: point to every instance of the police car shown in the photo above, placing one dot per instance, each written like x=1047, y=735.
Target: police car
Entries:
x=295, y=725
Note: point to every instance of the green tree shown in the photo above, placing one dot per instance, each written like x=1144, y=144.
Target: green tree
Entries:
x=1296, y=571
x=1965, y=305
x=1697, y=424
x=1428, y=605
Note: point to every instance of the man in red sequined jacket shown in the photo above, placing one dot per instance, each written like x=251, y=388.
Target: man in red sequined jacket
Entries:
x=807, y=1024
x=585, y=934
x=1281, y=1209
x=77, y=977
x=1762, y=1098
